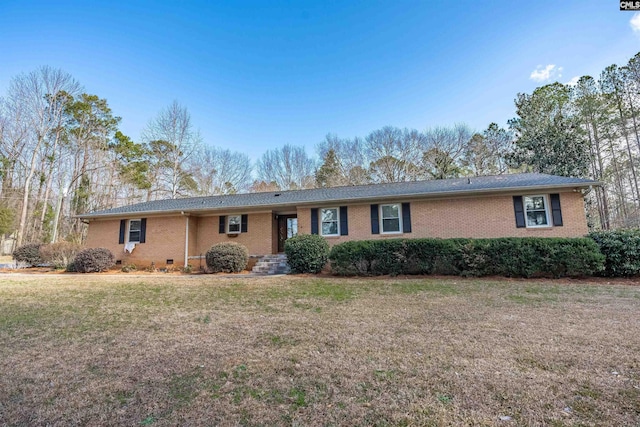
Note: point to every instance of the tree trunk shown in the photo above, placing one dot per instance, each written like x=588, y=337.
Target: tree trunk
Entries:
x=25, y=196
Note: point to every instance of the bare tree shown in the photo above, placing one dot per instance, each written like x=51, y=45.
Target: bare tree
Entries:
x=394, y=154
x=594, y=115
x=173, y=127
x=289, y=167
x=351, y=164
x=612, y=84
x=485, y=152
x=444, y=149
x=219, y=171
x=41, y=113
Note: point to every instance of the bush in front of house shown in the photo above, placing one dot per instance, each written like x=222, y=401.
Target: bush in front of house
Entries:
x=59, y=254
x=93, y=260
x=228, y=257
x=395, y=256
x=306, y=253
x=621, y=249
x=511, y=257
x=28, y=254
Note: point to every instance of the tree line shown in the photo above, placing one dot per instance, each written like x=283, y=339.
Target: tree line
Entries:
x=62, y=153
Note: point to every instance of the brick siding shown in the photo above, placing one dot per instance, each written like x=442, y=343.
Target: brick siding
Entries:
x=473, y=217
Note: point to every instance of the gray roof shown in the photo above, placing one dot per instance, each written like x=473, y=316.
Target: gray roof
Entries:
x=416, y=189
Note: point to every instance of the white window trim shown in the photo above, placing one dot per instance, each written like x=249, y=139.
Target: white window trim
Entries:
x=229, y=224
x=129, y=230
x=337, y=222
x=546, y=211
x=399, y=219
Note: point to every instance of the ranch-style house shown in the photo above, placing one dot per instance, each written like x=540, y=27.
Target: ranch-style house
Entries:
x=180, y=231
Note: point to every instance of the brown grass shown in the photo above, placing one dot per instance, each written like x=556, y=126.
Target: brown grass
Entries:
x=200, y=350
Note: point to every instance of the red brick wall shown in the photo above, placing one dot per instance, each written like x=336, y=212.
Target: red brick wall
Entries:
x=474, y=217
x=257, y=238
x=165, y=239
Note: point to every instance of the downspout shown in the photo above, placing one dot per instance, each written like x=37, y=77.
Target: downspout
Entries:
x=186, y=243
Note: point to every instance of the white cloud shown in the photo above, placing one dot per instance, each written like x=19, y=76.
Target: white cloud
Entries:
x=542, y=74
x=635, y=22
x=573, y=81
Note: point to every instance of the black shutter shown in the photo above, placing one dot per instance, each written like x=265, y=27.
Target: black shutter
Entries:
x=375, y=220
x=123, y=227
x=518, y=208
x=314, y=221
x=344, y=222
x=243, y=223
x=406, y=218
x=555, y=210
x=143, y=230
x=223, y=224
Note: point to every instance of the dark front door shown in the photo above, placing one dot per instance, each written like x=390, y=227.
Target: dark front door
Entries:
x=287, y=228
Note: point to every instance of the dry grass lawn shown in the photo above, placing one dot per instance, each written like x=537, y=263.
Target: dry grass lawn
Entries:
x=199, y=350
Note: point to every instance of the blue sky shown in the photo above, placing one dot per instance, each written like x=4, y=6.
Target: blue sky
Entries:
x=257, y=75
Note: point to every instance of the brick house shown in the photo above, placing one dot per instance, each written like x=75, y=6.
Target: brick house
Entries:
x=180, y=231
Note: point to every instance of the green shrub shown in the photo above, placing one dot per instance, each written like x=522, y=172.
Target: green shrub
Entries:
x=229, y=257
x=511, y=257
x=396, y=256
x=306, y=253
x=93, y=260
x=59, y=254
x=621, y=249
x=29, y=254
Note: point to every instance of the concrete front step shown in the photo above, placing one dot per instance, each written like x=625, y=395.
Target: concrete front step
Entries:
x=272, y=264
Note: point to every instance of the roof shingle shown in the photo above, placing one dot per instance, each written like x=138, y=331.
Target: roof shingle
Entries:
x=350, y=193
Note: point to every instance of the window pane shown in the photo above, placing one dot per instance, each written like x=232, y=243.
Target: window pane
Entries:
x=329, y=228
x=292, y=227
x=329, y=214
x=234, y=223
x=533, y=203
x=134, y=230
x=390, y=211
x=536, y=218
x=536, y=211
x=390, y=225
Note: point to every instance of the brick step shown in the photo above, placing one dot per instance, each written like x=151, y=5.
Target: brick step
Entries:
x=272, y=264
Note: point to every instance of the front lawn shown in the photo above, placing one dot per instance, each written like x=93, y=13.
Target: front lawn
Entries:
x=200, y=350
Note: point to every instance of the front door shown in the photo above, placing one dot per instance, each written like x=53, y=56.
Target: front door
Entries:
x=287, y=228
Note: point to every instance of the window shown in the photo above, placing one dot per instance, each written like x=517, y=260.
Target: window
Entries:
x=292, y=227
x=135, y=225
x=329, y=218
x=536, y=211
x=234, y=223
x=391, y=218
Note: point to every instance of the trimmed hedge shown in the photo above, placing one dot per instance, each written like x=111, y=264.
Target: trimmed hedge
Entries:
x=511, y=257
x=93, y=260
x=29, y=254
x=228, y=257
x=306, y=253
x=622, y=251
